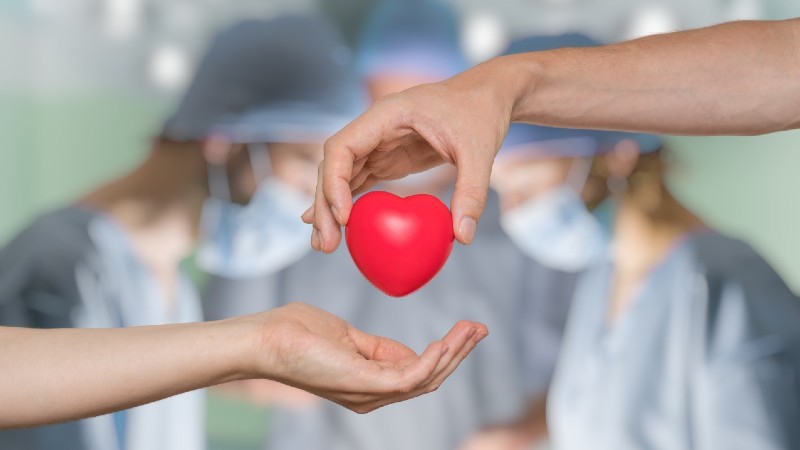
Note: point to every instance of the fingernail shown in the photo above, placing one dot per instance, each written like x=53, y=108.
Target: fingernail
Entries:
x=445, y=348
x=336, y=214
x=479, y=337
x=466, y=229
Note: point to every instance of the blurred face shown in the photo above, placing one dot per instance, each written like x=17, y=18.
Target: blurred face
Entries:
x=610, y=169
x=517, y=181
x=294, y=164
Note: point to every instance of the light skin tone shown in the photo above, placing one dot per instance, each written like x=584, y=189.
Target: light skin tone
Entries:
x=296, y=165
x=738, y=78
x=65, y=374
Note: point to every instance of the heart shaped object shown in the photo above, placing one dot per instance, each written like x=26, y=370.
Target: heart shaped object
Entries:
x=399, y=244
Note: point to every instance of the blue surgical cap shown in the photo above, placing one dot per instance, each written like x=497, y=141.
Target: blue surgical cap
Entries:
x=288, y=79
x=540, y=141
x=411, y=37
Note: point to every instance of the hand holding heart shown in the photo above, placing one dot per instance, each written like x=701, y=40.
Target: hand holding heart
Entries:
x=463, y=122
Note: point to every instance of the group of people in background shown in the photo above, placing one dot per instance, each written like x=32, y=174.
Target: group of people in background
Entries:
x=618, y=318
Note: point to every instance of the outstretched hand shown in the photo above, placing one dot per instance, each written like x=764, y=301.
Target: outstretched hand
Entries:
x=460, y=121
x=308, y=348
x=297, y=345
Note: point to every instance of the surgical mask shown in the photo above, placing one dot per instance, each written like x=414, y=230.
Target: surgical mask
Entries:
x=262, y=237
x=556, y=229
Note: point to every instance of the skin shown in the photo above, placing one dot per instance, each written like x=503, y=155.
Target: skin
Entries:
x=66, y=374
x=296, y=164
x=738, y=78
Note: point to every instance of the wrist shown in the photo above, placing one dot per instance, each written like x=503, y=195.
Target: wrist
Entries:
x=516, y=79
x=243, y=341
x=523, y=75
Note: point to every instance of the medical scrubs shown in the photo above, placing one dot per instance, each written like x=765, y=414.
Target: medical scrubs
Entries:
x=76, y=268
x=523, y=304
x=706, y=357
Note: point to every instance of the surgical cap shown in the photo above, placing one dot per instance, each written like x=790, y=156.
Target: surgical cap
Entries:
x=288, y=79
x=411, y=37
x=533, y=141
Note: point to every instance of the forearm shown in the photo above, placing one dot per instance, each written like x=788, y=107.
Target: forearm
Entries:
x=64, y=374
x=738, y=78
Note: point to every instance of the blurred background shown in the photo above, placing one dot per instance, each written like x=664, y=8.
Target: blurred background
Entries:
x=85, y=85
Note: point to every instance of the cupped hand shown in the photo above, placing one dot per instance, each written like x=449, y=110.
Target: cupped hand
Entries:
x=308, y=348
x=460, y=121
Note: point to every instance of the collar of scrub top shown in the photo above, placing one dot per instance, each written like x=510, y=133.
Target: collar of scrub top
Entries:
x=411, y=37
x=266, y=81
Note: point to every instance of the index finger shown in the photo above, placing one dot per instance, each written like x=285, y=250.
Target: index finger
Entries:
x=353, y=142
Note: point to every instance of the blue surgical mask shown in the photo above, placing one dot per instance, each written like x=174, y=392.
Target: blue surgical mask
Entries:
x=556, y=229
x=262, y=237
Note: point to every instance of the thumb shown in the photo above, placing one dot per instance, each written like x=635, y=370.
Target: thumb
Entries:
x=469, y=197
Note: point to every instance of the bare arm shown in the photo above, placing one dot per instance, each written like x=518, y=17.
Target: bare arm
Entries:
x=55, y=375
x=738, y=78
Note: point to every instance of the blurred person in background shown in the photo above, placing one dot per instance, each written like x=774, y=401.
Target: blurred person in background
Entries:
x=404, y=44
x=113, y=258
x=683, y=338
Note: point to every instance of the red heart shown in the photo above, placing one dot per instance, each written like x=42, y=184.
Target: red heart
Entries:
x=399, y=244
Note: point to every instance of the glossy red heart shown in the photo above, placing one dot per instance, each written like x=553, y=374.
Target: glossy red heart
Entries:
x=399, y=244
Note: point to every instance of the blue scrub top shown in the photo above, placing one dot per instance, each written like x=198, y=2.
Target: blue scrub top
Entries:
x=706, y=357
